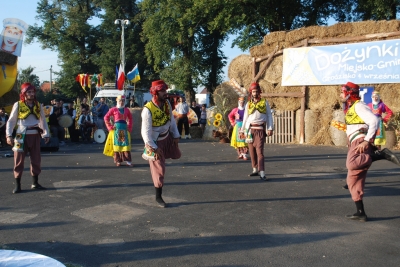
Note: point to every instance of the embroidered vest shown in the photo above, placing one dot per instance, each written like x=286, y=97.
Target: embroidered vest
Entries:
x=159, y=117
x=24, y=111
x=261, y=106
x=352, y=117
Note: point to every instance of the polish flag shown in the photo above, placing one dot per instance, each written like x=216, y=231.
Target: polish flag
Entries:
x=121, y=78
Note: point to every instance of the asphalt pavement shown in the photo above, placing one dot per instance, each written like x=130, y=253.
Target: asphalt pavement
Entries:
x=97, y=214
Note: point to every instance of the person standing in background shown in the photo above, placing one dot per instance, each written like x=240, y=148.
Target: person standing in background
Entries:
x=3, y=122
x=183, y=109
x=378, y=108
x=196, y=110
x=203, y=118
x=73, y=135
x=236, y=120
x=119, y=119
x=132, y=103
x=102, y=110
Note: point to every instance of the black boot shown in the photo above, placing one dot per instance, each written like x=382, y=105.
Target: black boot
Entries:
x=360, y=214
x=385, y=154
x=17, y=188
x=159, y=199
x=390, y=156
x=345, y=186
x=35, y=184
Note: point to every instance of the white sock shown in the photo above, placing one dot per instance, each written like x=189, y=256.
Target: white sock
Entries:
x=262, y=173
x=254, y=170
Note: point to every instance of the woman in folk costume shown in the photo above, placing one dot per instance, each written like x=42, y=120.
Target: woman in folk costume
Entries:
x=119, y=124
x=378, y=108
x=236, y=120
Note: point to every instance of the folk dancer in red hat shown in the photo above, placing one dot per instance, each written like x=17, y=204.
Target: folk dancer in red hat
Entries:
x=28, y=115
x=257, y=123
x=160, y=135
x=236, y=120
x=119, y=124
x=361, y=128
x=378, y=108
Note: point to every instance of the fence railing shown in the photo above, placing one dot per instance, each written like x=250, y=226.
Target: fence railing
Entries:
x=283, y=127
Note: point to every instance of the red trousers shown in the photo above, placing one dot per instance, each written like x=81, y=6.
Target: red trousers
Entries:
x=31, y=145
x=357, y=166
x=157, y=167
x=256, y=149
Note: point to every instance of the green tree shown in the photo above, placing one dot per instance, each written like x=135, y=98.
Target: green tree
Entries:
x=66, y=30
x=179, y=44
x=26, y=75
x=377, y=10
x=110, y=41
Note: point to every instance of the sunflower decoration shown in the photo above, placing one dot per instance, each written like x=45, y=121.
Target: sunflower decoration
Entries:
x=218, y=116
x=217, y=123
x=18, y=136
x=18, y=145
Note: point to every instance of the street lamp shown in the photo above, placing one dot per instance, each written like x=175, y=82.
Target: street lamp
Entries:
x=122, y=22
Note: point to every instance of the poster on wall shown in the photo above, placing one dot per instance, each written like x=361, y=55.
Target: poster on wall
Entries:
x=12, y=36
x=361, y=63
x=366, y=94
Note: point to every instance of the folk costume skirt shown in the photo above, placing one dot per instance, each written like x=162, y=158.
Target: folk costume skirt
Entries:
x=118, y=143
x=236, y=142
x=380, y=138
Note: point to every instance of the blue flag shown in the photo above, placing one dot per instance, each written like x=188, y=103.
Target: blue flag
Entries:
x=133, y=75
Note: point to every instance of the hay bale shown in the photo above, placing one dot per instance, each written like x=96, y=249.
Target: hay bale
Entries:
x=240, y=68
x=273, y=73
x=315, y=32
x=339, y=137
x=322, y=137
x=339, y=29
x=364, y=27
x=260, y=50
x=319, y=97
x=264, y=50
x=294, y=36
x=267, y=87
x=388, y=26
x=287, y=103
x=274, y=37
x=7, y=58
x=225, y=98
x=281, y=103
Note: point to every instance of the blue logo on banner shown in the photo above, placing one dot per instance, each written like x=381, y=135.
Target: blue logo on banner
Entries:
x=366, y=94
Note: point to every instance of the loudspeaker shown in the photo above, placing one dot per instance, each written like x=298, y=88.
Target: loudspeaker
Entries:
x=51, y=146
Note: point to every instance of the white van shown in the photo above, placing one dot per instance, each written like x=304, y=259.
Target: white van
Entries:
x=110, y=94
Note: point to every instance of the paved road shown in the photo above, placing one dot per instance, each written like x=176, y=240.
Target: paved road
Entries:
x=96, y=214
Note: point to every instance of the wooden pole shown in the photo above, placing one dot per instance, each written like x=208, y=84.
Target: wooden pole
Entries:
x=254, y=67
x=261, y=71
x=302, y=115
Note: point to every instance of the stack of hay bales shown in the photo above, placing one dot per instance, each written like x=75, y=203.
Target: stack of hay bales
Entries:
x=321, y=101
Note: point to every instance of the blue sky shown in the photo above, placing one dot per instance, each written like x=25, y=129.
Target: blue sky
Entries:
x=33, y=55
